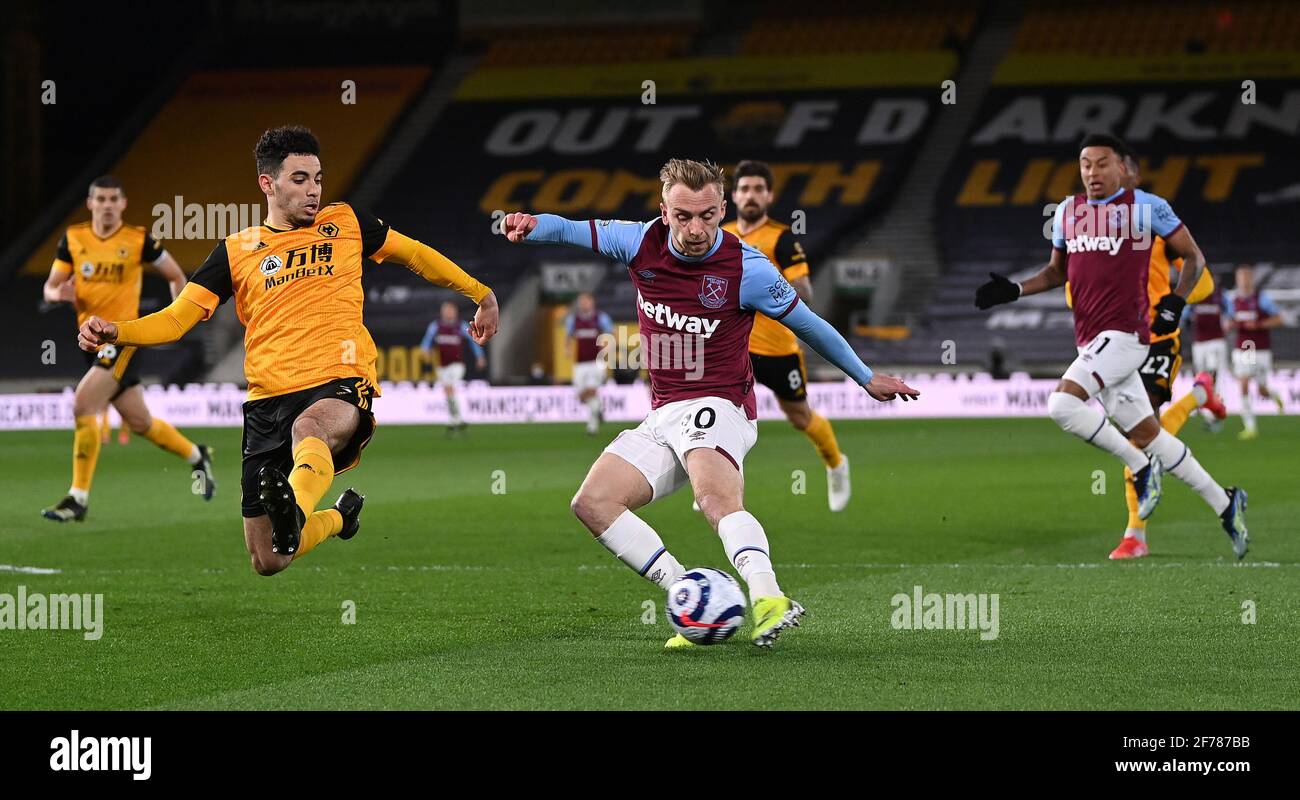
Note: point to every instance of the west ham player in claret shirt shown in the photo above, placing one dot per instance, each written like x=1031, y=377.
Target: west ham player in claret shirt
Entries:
x=698, y=289
x=1252, y=315
x=1101, y=242
x=446, y=337
x=584, y=326
x=1210, y=349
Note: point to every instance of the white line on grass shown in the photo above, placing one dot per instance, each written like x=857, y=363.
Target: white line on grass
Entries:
x=1089, y=565
x=602, y=567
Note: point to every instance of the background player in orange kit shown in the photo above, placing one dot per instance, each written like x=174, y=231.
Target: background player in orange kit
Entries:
x=99, y=268
x=773, y=348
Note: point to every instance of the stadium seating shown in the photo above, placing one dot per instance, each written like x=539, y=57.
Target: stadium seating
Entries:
x=783, y=28
x=573, y=141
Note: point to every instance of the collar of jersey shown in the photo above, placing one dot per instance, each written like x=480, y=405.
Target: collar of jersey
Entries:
x=120, y=226
x=717, y=242
x=1105, y=200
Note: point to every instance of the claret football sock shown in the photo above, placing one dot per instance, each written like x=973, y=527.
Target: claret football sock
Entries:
x=313, y=472
x=636, y=544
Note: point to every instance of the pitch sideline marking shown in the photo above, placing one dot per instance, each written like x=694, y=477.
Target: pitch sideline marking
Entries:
x=603, y=567
x=30, y=570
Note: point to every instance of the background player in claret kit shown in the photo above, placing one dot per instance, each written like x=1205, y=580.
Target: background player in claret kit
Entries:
x=1164, y=362
x=1097, y=245
x=584, y=326
x=1252, y=315
x=698, y=289
x=1209, y=348
x=309, y=361
x=446, y=336
x=99, y=268
x=773, y=348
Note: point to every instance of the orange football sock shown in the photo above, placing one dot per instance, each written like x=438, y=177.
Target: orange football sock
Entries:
x=1175, y=417
x=822, y=435
x=85, y=452
x=163, y=434
x=320, y=526
x=1131, y=497
x=313, y=472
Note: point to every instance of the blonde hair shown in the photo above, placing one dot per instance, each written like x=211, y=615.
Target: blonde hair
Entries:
x=694, y=175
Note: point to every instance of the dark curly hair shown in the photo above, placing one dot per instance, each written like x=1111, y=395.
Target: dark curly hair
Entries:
x=752, y=169
x=277, y=144
x=1115, y=143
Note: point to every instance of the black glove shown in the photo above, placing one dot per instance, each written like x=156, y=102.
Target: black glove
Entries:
x=1169, y=312
x=997, y=291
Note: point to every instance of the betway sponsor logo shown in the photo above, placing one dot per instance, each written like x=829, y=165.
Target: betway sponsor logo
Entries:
x=301, y=272
x=664, y=315
x=1103, y=228
x=1094, y=244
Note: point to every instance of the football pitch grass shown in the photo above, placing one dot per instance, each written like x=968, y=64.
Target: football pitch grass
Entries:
x=473, y=586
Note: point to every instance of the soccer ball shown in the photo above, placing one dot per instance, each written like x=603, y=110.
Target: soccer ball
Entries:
x=705, y=605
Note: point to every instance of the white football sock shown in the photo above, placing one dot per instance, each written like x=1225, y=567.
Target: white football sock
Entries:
x=195, y=456
x=1089, y=424
x=1202, y=396
x=746, y=545
x=453, y=409
x=636, y=544
x=1136, y=533
x=1178, y=459
x=1247, y=411
x=80, y=495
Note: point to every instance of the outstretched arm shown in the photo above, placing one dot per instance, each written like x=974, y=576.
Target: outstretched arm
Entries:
x=999, y=289
x=439, y=270
x=615, y=239
x=198, y=300
x=161, y=327
x=764, y=290
x=1051, y=276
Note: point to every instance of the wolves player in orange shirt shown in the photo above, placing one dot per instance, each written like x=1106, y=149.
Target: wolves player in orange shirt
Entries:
x=773, y=348
x=98, y=268
x=310, y=362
